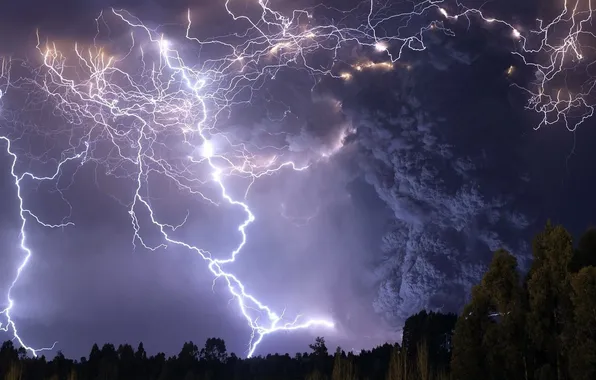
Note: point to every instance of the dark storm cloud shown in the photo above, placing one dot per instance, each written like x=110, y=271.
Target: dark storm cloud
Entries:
x=447, y=218
x=444, y=229
x=323, y=128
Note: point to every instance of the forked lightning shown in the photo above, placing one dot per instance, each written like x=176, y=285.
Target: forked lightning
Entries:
x=125, y=110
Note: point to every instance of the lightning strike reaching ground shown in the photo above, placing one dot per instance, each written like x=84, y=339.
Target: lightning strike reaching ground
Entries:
x=133, y=101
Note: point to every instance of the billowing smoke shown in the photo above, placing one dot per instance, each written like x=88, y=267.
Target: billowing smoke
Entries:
x=324, y=129
x=447, y=213
x=445, y=226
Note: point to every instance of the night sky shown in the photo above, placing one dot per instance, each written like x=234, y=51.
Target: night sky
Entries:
x=416, y=174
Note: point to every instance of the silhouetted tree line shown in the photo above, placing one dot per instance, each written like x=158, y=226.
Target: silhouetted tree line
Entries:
x=537, y=326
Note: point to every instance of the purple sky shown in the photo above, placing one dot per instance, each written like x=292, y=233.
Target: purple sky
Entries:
x=402, y=217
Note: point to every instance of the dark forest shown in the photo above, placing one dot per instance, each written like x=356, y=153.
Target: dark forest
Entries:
x=538, y=325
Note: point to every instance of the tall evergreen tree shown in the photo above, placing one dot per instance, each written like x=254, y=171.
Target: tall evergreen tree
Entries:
x=550, y=312
x=318, y=347
x=582, y=363
x=505, y=338
x=214, y=350
x=343, y=368
x=490, y=340
x=436, y=331
x=469, y=356
x=423, y=364
x=397, y=364
x=15, y=371
x=585, y=254
x=8, y=356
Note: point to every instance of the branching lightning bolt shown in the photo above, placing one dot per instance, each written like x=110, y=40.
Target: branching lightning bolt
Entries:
x=130, y=104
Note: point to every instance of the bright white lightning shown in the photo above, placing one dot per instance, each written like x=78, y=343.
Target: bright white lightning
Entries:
x=208, y=149
x=380, y=46
x=168, y=97
x=24, y=214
